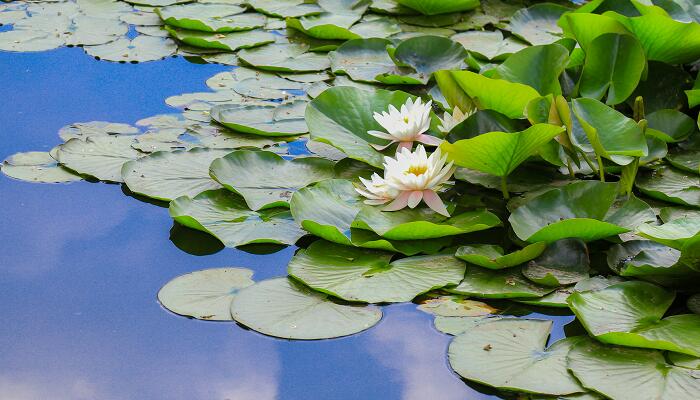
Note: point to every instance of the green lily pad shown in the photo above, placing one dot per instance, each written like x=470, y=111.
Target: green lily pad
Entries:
x=454, y=305
x=493, y=257
x=284, y=8
x=578, y=210
x=434, y=7
x=286, y=309
x=225, y=216
x=254, y=83
x=674, y=233
x=489, y=45
x=363, y=275
x=610, y=370
x=506, y=150
x=664, y=39
x=36, y=166
x=670, y=184
x=668, y=214
x=140, y=49
x=510, y=354
x=270, y=119
x=563, y=262
x=427, y=54
x=168, y=175
x=363, y=59
x=328, y=209
x=538, y=24
x=538, y=67
x=265, y=179
x=341, y=117
x=487, y=93
x=210, y=17
x=100, y=157
x=498, y=284
x=458, y=325
x=82, y=130
x=334, y=23
x=653, y=262
x=284, y=57
x=223, y=41
x=630, y=314
x=205, y=294
x=686, y=160
x=558, y=297
x=422, y=223
x=670, y=125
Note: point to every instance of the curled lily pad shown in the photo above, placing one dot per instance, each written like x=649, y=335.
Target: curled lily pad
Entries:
x=610, y=369
x=670, y=184
x=563, y=262
x=269, y=119
x=140, y=49
x=285, y=8
x=670, y=125
x=98, y=156
x=224, y=215
x=205, y=294
x=487, y=93
x=364, y=275
x=538, y=67
x=653, y=262
x=581, y=210
x=510, y=354
x=630, y=314
x=498, y=284
x=493, y=257
x=284, y=57
x=265, y=179
x=422, y=223
x=327, y=210
x=223, y=41
x=286, y=309
x=168, y=175
x=334, y=23
x=36, y=166
x=674, y=233
x=538, y=24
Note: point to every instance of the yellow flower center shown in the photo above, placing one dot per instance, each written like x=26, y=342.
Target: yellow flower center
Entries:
x=405, y=119
x=417, y=169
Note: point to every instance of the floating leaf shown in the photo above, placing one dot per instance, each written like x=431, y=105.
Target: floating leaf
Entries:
x=210, y=17
x=653, y=262
x=538, y=24
x=670, y=184
x=434, y=7
x=284, y=57
x=363, y=59
x=674, y=233
x=140, y=49
x=269, y=119
x=284, y=8
x=265, y=179
x=36, y=166
x=458, y=325
x=283, y=308
x=487, y=93
x=168, y=175
x=558, y=297
x=223, y=41
x=670, y=125
x=563, y=262
x=630, y=314
x=452, y=305
x=82, y=130
x=493, y=257
x=225, y=216
x=498, y=284
x=428, y=54
x=363, y=275
x=205, y=294
x=98, y=156
x=489, y=45
x=510, y=354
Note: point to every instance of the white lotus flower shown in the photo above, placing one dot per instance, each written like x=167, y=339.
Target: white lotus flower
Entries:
x=377, y=191
x=405, y=126
x=413, y=177
x=448, y=122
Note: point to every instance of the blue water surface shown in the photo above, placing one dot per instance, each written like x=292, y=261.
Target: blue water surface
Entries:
x=81, y=263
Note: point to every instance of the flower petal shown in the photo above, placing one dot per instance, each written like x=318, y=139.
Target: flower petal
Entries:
x=435, y=203
x=400, y=202
x=429, y=140
x=415, y=198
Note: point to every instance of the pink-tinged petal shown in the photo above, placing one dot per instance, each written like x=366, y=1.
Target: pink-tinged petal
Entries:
x=435, y=203
x=380, y=147
x=404, y=145
x=380, y=134
x=415, y=198
x=400, y=202
x=429, y=140
x=376, y=202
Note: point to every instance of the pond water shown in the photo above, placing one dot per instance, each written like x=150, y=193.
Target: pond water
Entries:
x=80, y=266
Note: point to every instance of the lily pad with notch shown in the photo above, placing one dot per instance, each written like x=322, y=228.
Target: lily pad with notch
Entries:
x=493, y=257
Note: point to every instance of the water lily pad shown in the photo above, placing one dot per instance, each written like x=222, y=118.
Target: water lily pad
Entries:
x=422, y=223
x=88, y=30
x=334, y=23
x=674, y=233
x=487, y=93
x=664, y=39
x=653, y=262
x=223, y=41
x=630, y=314
x=538, y=24
x=498, y=284
x=253, y=83
x=686, y=160
x=168, y=175
x=98, y=156
x=363, y=275
x=328, y=209
x=286, y=309
x=510, y=354
x=578, y=210
x=434, y=7
x=269, y=119
x=558, y=297
x=563, y=262
x=489, y=45
x=36, y=166
x=341, y=117
x=285, y=57
x=454, y=305
x=82, y=130
x=140, y=49
x=670, y=125
x=427, y=54
x=205, y=294
x=670, y=184
x=610, y=370
x=210, y=17
x=458, y=325
x=285, y=8
x=265, y=179
x=224, y=215
x=363, y=59
x=493, y=257
x=538, y=67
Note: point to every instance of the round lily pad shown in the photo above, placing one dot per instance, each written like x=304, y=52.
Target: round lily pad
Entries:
x=82, y=130
x=140, y=49
x=284, y=57
x=457, y=325
x=498, y=284
x=489, y=45
x=285, y=8
x=363, y=59
x=363, y=275
x=265, y=179
x=223, y=41
x=453, y=305
x=670, y=184
x=651, y=261
x=538, y=24
x=286, y=119
x=168, y=175
x=98, y=156
x=493, y=257
x=210, y=17
x=36, y=166
x=205, y=294
x=286, y=309
x=510, y=354
x=564, y=262
x=224, y=215
x=558, y=297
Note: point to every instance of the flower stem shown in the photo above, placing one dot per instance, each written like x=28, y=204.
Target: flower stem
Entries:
x=504, y=187
x=571, y=169
x=601, y=168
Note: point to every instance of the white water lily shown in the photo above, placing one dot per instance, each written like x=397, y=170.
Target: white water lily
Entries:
x=410, y=178
x=405, y=126
x=449, y=121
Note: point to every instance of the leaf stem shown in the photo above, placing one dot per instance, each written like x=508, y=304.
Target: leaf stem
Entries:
x=601, y=168
x=504, y=187
x=589, y=162
x=571, y=169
